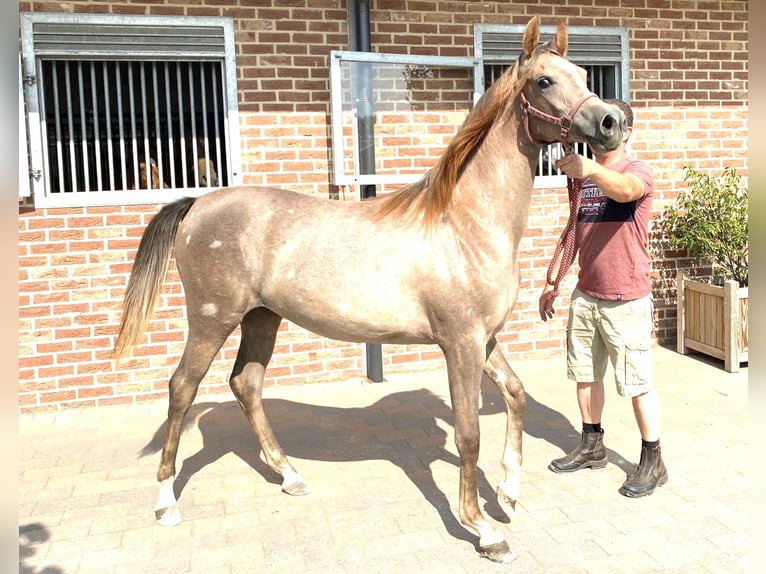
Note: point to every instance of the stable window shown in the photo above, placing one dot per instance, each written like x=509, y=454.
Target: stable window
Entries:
x=602, y=51
x=129, y=109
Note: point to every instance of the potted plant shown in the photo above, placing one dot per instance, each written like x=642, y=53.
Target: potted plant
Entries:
x=709, y=220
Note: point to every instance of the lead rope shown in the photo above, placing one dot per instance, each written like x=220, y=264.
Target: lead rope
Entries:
x=567, y=246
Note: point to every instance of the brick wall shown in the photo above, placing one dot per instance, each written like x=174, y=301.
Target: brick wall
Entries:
x=688, y=88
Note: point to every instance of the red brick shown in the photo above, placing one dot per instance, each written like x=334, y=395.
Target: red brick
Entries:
x=95, y=391
x=69, y=382
x=58, y=396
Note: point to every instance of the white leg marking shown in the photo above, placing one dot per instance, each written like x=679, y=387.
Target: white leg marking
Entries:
x=166, y=510
x=293, y=483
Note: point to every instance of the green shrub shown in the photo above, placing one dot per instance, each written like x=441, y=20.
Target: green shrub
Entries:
x=709, y=219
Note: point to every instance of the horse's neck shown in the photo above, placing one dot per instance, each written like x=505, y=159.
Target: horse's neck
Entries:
x=495, y=188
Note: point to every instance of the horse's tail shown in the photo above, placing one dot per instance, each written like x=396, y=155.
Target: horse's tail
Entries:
x=148, y=274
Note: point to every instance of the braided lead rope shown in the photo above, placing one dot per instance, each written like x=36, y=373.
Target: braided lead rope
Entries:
x=567, y=246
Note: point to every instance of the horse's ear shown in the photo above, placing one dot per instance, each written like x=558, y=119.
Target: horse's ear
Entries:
x=531, y=37
x=562, y=41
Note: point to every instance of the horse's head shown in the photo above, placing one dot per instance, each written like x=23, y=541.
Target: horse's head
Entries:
x=557, y=104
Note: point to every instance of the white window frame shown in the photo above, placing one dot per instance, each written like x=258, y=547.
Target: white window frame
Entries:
x=24, y=173
x=588, y=46
x=339, y=149
x=154, y=42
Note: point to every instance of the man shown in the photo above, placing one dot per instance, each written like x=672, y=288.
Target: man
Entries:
x=611, y=311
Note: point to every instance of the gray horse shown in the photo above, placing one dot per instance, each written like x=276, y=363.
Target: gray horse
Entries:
x=443, y=251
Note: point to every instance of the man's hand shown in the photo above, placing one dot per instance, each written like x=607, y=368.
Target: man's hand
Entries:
x=546, y=302
x=576, y=166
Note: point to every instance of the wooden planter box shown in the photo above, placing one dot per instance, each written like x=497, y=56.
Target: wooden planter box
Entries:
x=712, y=319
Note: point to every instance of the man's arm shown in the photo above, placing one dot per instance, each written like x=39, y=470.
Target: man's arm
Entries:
x=621, y=187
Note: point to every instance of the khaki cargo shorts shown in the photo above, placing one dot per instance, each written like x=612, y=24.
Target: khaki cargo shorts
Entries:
x=601, y=330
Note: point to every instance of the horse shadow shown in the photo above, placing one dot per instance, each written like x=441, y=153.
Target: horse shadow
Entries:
x=338, y=434
x=346, y=434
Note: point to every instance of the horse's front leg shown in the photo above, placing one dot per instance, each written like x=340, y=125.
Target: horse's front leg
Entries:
x=501, y=373
x=464, y=369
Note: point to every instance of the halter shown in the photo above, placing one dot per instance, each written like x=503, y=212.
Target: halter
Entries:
x=565, y=123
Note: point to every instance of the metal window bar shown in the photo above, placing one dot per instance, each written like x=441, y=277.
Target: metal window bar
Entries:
x=182, y=132
x=133, y=131
x=108, y=121
x=204, y=125
x=157, y=129
x=193, y=109
x=147, y=166
x=171, y=147
x=216, y=125
x=70, y=126
x=84, y=134
x=123, y=169
x=121, y=125
x=96, y=128
x=59, y=138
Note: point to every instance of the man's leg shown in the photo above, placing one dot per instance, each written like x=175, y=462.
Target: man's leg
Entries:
x=586, y=361
x=590, y=453
x=650, y=472
x=646, y=407
x=590, y=398
x=627, y=329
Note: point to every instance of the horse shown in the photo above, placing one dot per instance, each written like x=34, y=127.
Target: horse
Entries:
x=440, y=267
x=143, y=178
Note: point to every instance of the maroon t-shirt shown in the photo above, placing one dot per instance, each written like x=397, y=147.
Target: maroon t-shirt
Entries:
x=612, y=239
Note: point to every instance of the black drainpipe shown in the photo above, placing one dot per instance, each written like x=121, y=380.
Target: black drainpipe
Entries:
x=359, y=16
x=359, y=28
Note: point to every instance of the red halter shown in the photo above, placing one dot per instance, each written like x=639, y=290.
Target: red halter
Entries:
x=564, y=123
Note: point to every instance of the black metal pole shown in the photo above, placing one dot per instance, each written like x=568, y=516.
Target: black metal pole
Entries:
x=359, y=23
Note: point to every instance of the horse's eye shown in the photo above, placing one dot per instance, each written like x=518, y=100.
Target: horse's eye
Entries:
x=544, y=82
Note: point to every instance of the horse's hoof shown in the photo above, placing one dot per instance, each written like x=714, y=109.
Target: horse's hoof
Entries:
x=169, y=516
x=296, y=488
x=499, y=552
x=507, y=503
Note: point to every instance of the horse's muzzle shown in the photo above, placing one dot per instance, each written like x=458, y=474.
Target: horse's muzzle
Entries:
x=614, y=125
x=612, y=131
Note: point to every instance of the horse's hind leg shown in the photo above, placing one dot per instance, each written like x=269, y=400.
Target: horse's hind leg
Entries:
x=259, y=332
x=201, y=348
x=501, y=373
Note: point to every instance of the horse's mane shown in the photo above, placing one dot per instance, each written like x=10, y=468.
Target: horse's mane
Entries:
x=431, y=196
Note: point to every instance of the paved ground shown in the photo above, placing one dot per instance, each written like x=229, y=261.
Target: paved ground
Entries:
x=382, y=462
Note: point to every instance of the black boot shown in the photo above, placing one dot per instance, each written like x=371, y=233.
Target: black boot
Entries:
x=589, y=453
x=649, y=474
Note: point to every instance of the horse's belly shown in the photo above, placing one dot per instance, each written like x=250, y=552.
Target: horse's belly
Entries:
x=358, y=321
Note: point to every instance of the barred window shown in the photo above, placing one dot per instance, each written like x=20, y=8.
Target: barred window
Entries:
x=129, y=109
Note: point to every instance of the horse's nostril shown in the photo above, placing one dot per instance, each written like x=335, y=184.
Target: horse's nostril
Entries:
x=611, y=124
